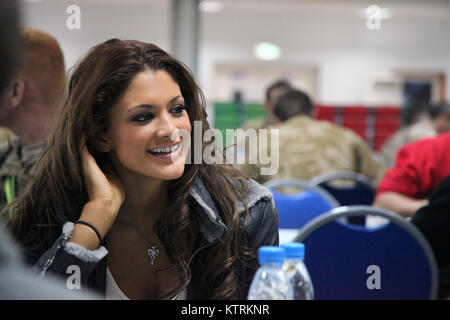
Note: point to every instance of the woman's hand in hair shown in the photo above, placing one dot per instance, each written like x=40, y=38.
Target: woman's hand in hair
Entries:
x=103, y=187
x=106, y=195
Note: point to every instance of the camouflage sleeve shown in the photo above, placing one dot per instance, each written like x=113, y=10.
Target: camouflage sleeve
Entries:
x=5, y=151
x=5, y=135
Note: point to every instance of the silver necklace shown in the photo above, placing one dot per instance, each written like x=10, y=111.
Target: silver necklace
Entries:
x=152, y=251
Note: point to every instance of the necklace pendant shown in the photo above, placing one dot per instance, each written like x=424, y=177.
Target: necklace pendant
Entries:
x=153, y=253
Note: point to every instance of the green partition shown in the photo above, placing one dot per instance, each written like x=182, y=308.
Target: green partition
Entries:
x=229, y=115
x=254, y=111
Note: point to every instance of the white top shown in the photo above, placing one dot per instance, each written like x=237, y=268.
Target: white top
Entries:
x=113, y=291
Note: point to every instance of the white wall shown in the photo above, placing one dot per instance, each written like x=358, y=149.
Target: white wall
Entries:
x=323, y=33
x=253, y=79
x=145, y=20
x=333, y=37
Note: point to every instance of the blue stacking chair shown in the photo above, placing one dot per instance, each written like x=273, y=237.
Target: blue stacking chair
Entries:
x=360, y=192
x=297, y=209
x=345, y=261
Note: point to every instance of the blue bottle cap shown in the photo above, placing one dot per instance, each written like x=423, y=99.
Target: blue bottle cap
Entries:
x=268, y=254
x=294, y=250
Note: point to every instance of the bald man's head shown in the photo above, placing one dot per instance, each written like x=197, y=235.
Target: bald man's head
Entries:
x=42, y=66
x=30, y=104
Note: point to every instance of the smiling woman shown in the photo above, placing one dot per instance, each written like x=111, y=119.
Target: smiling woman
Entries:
x=135, y=222
x=144, y=125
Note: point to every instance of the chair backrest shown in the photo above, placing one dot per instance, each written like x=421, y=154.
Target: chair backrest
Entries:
x=392, y=261
x=359, y=192
x=296, y=210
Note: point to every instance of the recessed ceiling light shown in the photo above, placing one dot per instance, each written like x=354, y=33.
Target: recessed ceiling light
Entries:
x=266, y=51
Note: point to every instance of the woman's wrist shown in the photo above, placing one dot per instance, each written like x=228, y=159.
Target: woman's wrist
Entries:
x=84, y=236
x=101, y=215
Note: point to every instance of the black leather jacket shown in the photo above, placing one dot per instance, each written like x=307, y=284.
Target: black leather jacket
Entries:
x=261, y=230
x=433, y=220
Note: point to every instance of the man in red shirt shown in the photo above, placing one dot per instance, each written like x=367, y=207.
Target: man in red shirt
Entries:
x=419, y=168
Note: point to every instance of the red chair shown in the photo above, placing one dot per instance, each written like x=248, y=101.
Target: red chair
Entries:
x=387, y=122
x=355, y=118
x=327, y=113
x=387, y=113
x=379, y=141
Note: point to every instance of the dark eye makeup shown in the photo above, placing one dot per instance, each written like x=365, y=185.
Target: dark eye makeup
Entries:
x=142, y=117
x=178, y=109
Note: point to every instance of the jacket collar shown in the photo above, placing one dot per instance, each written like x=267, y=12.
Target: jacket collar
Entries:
x=210, y=221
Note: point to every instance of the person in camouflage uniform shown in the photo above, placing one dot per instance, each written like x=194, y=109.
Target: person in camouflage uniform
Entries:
x=430, y=121
x=272, y=93
x=5, y=134
x=309, y=148
x=28, y=108
x=16, y=168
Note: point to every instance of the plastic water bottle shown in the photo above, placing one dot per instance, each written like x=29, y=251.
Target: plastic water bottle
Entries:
x=270, y=281
x=297, y=272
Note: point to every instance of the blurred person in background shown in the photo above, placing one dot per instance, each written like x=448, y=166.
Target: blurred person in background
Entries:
x=6, y=134
x=416, y=125
x=29, y=108
x=422, y=121
x=309, y=148
x=419, y=167
x=440, y=117
x=272, y=93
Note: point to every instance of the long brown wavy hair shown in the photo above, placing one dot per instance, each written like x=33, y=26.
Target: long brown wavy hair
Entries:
x=97, y=82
